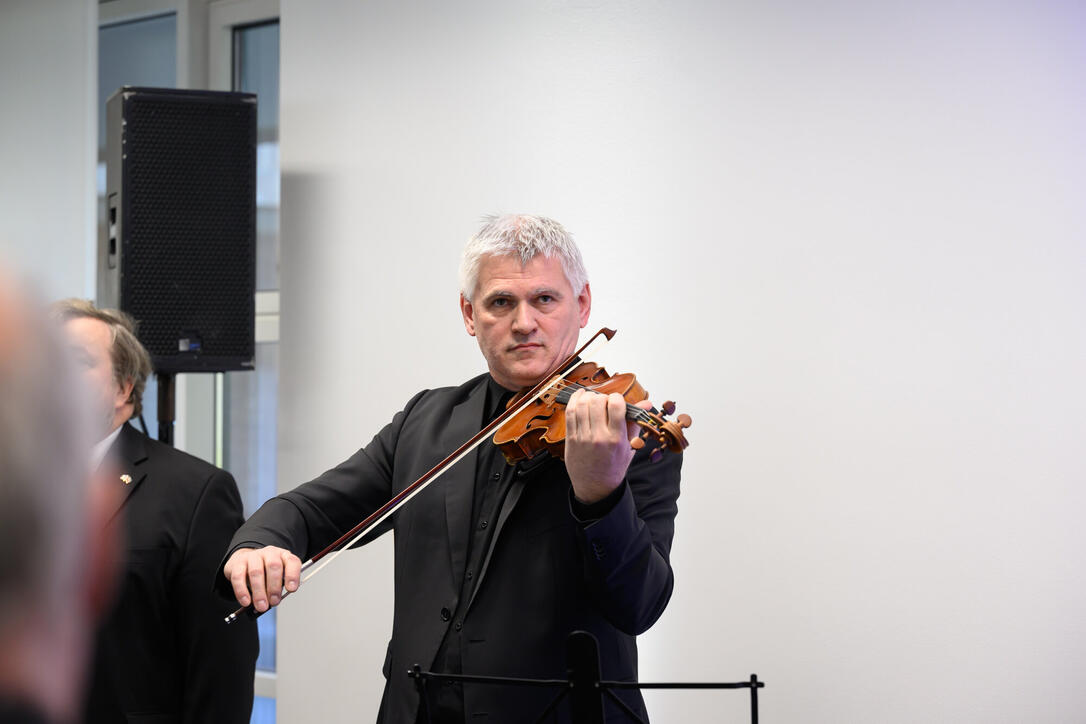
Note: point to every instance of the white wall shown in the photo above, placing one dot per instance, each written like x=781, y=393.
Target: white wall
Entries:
x=48, y=147
x=848, y=239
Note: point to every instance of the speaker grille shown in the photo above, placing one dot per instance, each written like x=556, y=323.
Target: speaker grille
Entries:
x=188, y=246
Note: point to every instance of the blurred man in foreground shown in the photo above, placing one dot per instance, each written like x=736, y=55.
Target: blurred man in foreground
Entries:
x=56, y=571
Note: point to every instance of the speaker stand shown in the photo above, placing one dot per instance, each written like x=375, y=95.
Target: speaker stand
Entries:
x=166, y=400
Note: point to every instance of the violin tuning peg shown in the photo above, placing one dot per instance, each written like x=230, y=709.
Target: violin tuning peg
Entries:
x=684, y=420
x=645, y=434
x=668, y=407
x=637, y=443
x=656, y=455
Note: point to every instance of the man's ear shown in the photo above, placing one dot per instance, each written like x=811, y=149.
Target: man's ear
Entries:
x=469, y=315
x=584, y=304
x=124, y=393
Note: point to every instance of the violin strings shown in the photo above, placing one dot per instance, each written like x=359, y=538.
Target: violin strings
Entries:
x=567, y=388
x=633, y=412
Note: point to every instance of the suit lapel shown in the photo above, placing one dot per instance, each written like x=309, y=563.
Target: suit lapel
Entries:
x=459, y=481
x=128, y=452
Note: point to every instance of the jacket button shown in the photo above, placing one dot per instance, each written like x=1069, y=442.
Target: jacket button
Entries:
x=458, y=625
x=445, y=614
x=598, y=550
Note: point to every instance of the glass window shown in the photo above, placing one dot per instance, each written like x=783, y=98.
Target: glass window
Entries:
x=251, y=400
x=138, y=53
x=256, y=70
x=249, y=454
x=144, y=53
x=263, y=710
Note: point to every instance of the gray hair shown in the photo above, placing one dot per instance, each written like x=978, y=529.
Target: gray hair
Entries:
x=45, y=442
x=131, y=363
x=523, y=236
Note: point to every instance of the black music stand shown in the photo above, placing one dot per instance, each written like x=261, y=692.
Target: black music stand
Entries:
x=583, y=685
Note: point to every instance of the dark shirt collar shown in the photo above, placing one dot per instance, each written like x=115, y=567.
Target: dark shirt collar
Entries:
x=496, y=398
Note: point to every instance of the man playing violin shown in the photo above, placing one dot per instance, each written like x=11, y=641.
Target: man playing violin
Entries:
x=497, y=563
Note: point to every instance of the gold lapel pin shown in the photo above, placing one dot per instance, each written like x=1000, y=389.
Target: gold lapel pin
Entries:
x=126, y=478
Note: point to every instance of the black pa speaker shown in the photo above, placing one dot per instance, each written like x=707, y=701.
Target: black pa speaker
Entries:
x=179, y=252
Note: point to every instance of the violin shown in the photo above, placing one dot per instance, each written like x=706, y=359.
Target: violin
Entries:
x=533, y=422
x=541, y=425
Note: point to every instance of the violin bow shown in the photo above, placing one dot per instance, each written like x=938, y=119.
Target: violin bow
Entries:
x=315, y=564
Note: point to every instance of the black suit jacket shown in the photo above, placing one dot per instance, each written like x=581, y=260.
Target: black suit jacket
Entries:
x=163, y=653
x=545, y=575
x=15, y=711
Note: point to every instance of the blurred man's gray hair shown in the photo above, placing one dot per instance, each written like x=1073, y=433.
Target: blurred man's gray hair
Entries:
x=525, y=237
x=45, y=443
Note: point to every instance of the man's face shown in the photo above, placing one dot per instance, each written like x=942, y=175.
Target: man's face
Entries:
x=526, y=318
x=89, y=341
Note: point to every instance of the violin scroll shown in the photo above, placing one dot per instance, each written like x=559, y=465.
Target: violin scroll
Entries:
x=668, y=432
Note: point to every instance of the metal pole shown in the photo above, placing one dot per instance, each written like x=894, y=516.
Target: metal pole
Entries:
x=753, y=699
x=165, y=406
